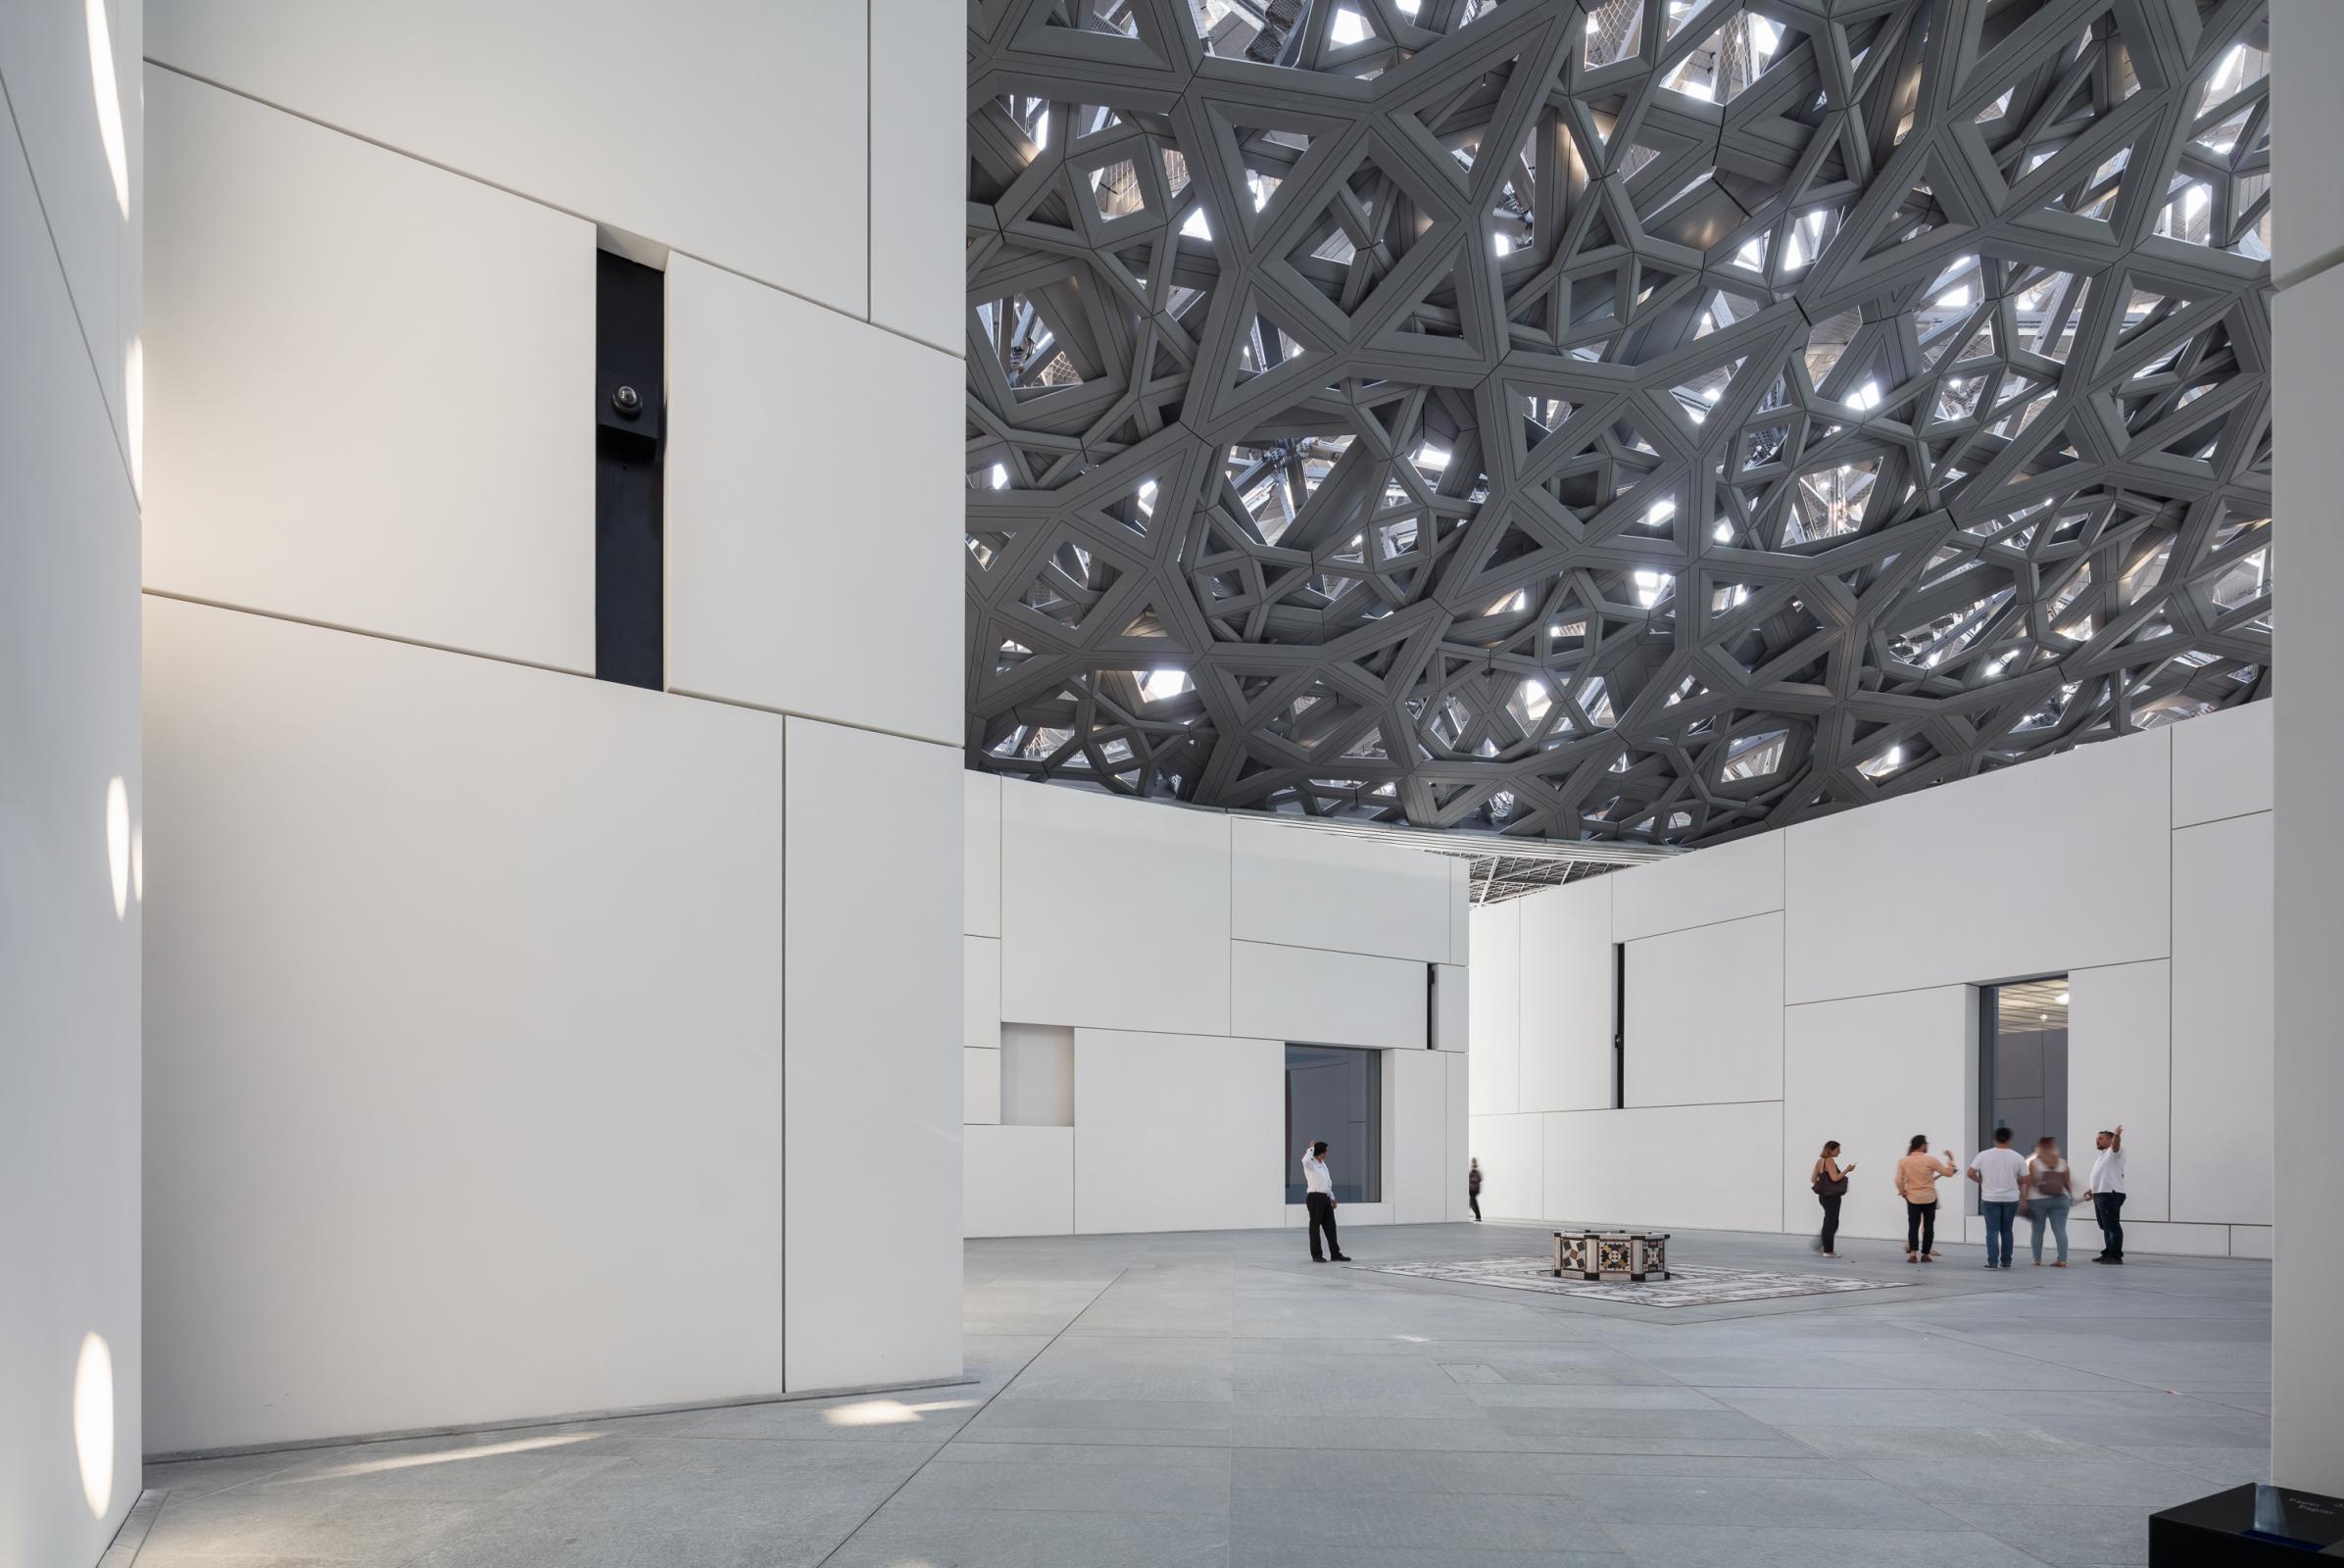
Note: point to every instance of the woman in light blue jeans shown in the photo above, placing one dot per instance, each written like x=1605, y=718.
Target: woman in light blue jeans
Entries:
x=2049, y=1190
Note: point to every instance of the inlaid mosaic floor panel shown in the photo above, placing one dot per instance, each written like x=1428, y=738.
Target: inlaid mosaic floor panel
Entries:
x=1687, y=1286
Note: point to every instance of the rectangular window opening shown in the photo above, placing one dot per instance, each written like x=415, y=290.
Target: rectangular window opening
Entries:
x=1618, y=1051
x=2023, y=1064
x=1335, y=1093
x=630, y=318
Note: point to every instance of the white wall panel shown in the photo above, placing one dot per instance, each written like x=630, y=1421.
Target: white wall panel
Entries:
x=365, y=382
x=981, y=993
x=2246, y=1241
x=1037, y=1075
x=1303, y=888
x=2307, y=121
x=2120, y=1071
x=1020, y=1181
x=1452, y=1008
x=1461, y=911
x=735, y=132
x=781, y=487
x=1567, y=997
x=1332, y=998
x=2307, y=1423
x=981, y=856
x=1512, y=1152
x=1416, y=1174
x=69, y=959
x=918, y=162
x=1494, y=988
x=981, y=1086
x=2056, y=865
x=47, y=56
x=1459, y=1134
x=1704, y=1016
x=1177, y=1132
x=1700, y=1165
x=1723, y=882
x=2223, y=764
x=1147, y=948
x=2223, y=1028
x=1872, y=1071
x=870, y=1057
x=498, y=949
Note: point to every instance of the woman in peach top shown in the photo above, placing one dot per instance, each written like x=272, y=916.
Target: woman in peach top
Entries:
x=1917, y=1178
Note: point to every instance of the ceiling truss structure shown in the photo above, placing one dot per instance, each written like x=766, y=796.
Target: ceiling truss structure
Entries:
x=1644, y=420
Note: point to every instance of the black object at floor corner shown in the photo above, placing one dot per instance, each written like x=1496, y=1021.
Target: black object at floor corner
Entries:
x=2256, y=1522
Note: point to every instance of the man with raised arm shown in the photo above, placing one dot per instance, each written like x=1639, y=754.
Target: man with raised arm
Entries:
x=1318, y=1196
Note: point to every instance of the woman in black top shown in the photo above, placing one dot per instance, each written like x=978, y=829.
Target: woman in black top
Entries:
x=1473, y=1188
x=1829, y=1181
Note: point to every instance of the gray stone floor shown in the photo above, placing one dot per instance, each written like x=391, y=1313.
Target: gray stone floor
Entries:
x=1215, y=1398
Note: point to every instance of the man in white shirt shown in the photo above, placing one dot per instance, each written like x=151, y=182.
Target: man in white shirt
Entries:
x=1998, y=1171
x=1318, y=1196
x=2107, y=1193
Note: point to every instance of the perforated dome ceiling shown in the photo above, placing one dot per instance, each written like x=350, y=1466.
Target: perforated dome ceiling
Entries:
x=1652, y=419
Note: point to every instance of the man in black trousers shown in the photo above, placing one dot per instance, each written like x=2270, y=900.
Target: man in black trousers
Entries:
x=1318, y=1196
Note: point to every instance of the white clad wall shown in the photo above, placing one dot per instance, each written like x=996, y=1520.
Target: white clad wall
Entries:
x=2222, y=764
x=1114, y=913
x=374, y=310
x=2000, y=862
x=1729, y=882
x=77, y=114
x=2307, y=1421
x=368, y=377
x=981, y=993
x=1704, y=1016
x=71, y=892
x=1513, y=1155
x=730, y=130
x=776, y=498
x=2223, y=1027
x=1416, y=1173
x=981, y=856
x=1494, y=985
x=2120, y=1071
x=1315, y=889
x=1017, y=1181
x=1124, y=923
x=918, y=159
x=498, y=949
x=1457, y=1124
x=1308, y=993
x=1452, y=1008
x=1566, y=969
x=1828, y=976
x=1706, y=1165
x=873, y=1098
x=1177, y=1133
x=1872, y=1072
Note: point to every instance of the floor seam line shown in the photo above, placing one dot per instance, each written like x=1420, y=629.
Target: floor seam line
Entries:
x=985, y=1404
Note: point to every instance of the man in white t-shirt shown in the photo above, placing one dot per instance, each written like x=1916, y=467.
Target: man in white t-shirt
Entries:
x=2107, y=1193
x=1998, y=1171
x=1318, y=1196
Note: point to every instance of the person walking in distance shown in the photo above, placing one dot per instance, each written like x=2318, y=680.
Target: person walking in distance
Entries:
x=2107, y=1193
x=2050, y=1184
x=1473, y=1188
x=1917, y=1178
x=1318, y=1196
x=2001, y=1175
x=1828, y=1179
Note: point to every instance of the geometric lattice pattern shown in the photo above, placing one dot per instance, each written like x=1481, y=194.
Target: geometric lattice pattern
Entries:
x=1651, y=419
x=1685, y=1287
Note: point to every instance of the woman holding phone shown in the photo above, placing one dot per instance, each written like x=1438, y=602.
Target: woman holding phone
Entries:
x=1829, y=1181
